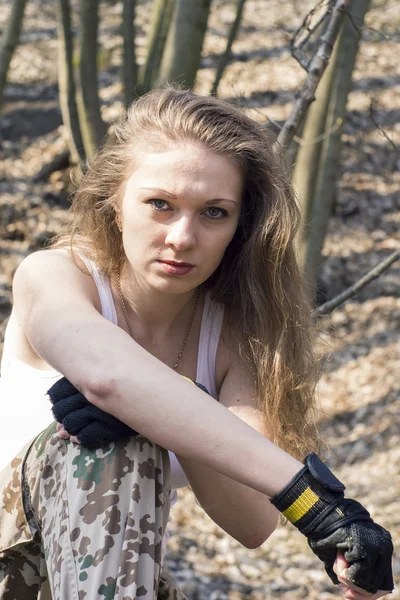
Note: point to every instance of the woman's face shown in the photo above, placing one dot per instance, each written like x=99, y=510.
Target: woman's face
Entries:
x=180, y=209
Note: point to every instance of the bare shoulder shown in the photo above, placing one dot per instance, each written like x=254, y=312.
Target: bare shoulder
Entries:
x=43, y=261
x=48, y=272
x=46, y=282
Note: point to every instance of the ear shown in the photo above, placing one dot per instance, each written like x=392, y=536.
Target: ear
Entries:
x=118, y=222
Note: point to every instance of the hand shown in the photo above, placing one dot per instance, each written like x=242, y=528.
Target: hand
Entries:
x=65, y=435
x=81, y=421
x=314, y=502
x=349, y=590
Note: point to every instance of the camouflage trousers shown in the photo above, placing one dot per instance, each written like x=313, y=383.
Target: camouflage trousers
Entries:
x=85, y=524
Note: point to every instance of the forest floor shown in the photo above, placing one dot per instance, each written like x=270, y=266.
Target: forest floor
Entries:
x=359, y=390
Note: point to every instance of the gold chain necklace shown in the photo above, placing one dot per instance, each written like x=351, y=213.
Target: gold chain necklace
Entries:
x=185, y=339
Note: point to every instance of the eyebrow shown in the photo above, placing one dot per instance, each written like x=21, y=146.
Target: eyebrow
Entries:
x=173, y=197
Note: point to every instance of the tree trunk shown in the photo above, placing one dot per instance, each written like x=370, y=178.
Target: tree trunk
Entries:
x=181, y=58
x=309, y=137
x=92, y=125
x=325, y=190
x=307, y=163
x=225, y=58
x=66, y=82
x=129, y=66
x=10, y=41
x=163, y=11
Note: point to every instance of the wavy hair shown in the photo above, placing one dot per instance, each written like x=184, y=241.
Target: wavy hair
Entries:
x=258, y=279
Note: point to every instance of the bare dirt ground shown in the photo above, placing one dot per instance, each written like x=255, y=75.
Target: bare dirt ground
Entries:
x=359, y=390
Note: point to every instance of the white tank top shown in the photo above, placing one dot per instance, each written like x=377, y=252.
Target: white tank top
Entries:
x=25, y=407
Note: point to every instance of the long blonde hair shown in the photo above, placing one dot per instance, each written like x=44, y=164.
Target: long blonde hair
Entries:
x=258, y=279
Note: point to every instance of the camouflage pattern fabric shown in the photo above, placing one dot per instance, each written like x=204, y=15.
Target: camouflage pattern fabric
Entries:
x=85, y=524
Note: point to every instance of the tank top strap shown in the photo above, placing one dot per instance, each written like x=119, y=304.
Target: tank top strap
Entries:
x=210, y=331
x=104, y=289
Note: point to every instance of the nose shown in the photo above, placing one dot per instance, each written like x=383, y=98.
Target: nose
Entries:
x=181, y=233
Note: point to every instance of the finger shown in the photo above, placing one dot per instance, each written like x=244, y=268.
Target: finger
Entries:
x=74, y=439
x=352, y=592
x=353, y=595
x=342, y=578
x=340, y=565
x=65, y=406
x=75, y=420
x=59, y=426
x=358, y=590
x=340, y=568
x=64, y=435
x=61, y=389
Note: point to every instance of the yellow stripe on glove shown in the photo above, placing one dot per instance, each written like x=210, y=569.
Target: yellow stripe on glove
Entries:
x=301, y=505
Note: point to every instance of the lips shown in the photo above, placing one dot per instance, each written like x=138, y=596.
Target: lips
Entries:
x=175, y=263
x=172, y=267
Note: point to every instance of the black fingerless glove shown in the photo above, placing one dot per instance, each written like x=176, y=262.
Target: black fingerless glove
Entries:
x=314, y=502
x=92, y=426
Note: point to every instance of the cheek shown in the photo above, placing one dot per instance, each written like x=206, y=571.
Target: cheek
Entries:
x=219, y=244
x=230, y=233
x=141, y=233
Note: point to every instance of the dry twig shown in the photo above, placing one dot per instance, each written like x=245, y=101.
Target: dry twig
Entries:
x=316, y=69
x=375, y=122
x=57, y=163
x=328, y=307
x=304, y=33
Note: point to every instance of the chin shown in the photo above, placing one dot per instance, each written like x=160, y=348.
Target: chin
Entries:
x=176, y=286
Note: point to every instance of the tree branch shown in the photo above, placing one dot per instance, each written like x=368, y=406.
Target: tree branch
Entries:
x=328, y=307
x=316, y=69
x=59, y=162
x=307, y=29
x=375, y=122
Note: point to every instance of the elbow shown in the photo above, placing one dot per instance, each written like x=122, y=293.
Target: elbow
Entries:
x=97, y=390
x=255, y=539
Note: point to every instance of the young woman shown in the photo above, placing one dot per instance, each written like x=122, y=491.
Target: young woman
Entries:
x=178, y=260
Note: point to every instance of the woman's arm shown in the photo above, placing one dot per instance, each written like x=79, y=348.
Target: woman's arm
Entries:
x=54, y=303
x=241, y=511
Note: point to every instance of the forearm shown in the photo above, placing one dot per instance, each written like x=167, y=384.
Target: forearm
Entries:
x=241, y=511
x=152, y=399
x=119, y=376
x=155, y=401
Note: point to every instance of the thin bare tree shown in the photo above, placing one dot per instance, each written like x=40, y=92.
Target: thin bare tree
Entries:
x=306, y=167
x=9, y=42
x=329, y=165
x=92, y=125
x=66, y=82
x=162, y=15
x=129, y=65
x=225, y=58
x=181, y=57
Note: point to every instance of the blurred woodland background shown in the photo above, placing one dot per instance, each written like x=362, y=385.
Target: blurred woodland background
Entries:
x=68, y=69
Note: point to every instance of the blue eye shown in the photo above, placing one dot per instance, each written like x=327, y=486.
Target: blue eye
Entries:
x=160, y=205
x=216, y=213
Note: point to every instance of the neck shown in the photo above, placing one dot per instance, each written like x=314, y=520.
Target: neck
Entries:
x=153, y=313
